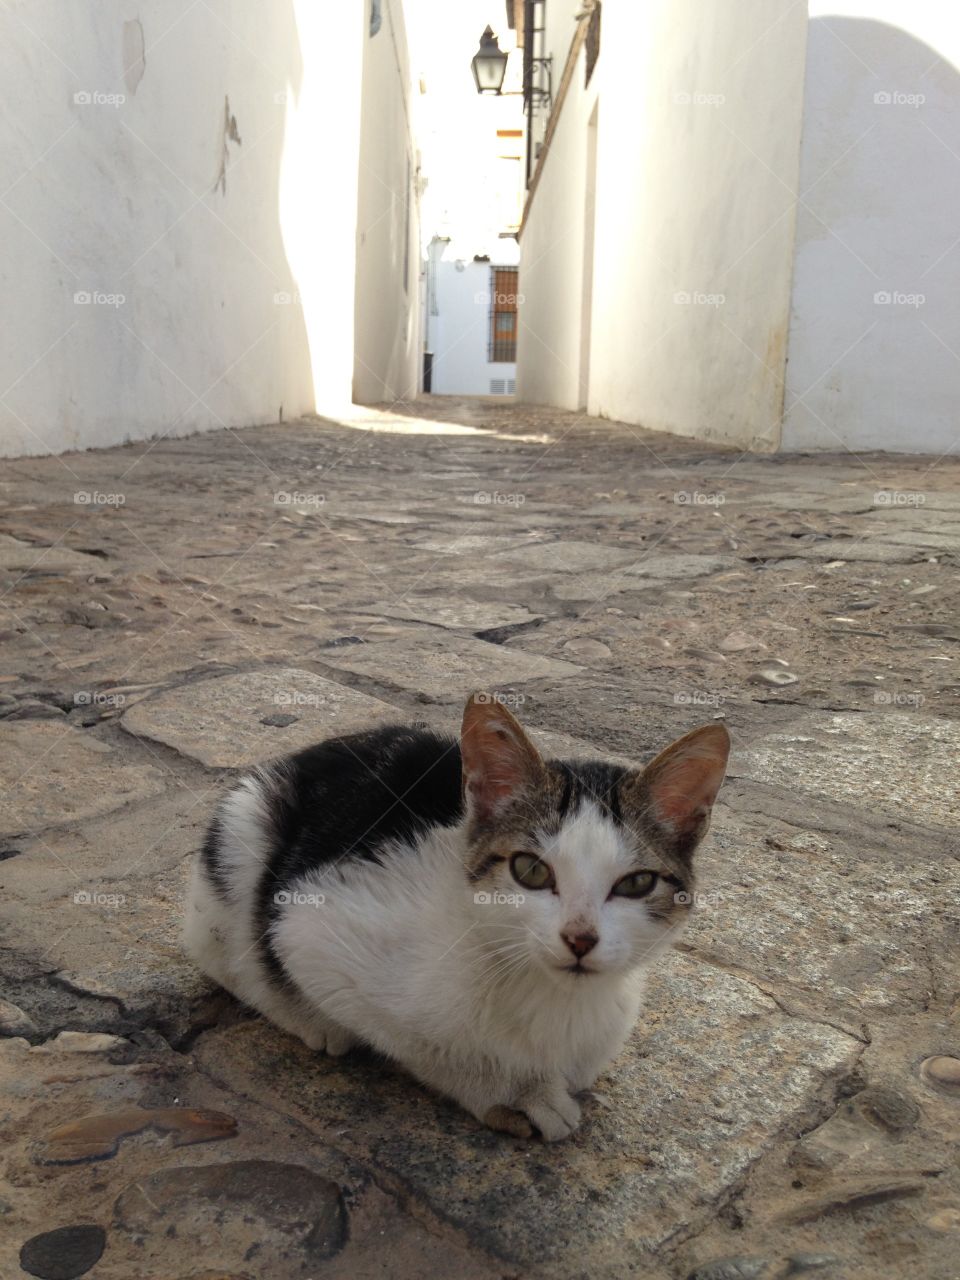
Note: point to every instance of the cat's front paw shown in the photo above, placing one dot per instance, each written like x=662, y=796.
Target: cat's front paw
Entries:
x=551, y=1110
x=506, y=1120
x=333, y=1041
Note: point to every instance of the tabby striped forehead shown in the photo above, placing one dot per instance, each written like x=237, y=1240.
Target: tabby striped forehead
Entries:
x=571, y=786
x=588, y=780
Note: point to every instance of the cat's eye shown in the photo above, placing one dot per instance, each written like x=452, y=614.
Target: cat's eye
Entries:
x=636, y=885
x=531, y=871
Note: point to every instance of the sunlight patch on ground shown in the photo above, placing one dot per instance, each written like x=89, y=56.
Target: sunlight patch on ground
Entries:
x=363, y=419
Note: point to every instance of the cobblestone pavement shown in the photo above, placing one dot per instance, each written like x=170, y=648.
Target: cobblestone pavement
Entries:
x=790, y=1102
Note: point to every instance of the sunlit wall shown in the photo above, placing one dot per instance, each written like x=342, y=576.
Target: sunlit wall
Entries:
x=145, y=280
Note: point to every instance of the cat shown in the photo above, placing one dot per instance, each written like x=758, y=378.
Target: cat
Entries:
x=477, y=914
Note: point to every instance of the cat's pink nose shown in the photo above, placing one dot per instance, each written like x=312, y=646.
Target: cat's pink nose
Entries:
x=580, y=943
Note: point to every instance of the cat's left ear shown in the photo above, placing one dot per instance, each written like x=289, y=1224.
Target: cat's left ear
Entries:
x=678, y=788
x=499, y=760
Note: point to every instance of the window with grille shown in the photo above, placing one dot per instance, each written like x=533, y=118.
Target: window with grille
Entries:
x=503, y=315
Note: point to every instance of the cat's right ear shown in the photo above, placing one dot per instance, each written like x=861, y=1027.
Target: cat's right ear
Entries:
x=499, y=760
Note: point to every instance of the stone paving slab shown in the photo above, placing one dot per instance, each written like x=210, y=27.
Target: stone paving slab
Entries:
x=738, y=1070
x=144, y=980
x=868, y=550
x=889, y=519
x=658, y=564
x=52, y=774
x=459, y=615
x=270, y=713
x=28, y=557
x=593, y=587
x=853, y=503
x=179, y=719
x=754, y=881
x=467, y=573
x=618, y=510
x=471, y=543
x=370, y=513
x=928, y=539
x=863, y=1175
x=569, y=556
x=564, y=746
x=445, y=667
x=149, y=837
x=900, y=763
x=947, y=526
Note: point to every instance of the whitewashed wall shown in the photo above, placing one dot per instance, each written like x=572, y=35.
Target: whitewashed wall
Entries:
x=459, y=332
x=874, y=352
x=194, y=170
x=552, y=241
x=387, y=352
x=698, y=120
x=697, y=166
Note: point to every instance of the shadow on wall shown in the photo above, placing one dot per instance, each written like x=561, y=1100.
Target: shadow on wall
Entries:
x=141, y=249
x=875, y=320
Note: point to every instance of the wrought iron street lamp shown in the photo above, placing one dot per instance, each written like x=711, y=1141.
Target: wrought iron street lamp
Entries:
x=489, y=64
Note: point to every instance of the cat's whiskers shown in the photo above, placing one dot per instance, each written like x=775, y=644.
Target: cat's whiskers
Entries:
x=492, y=948
x=553, y=950
x=491, y=942
x=504, y=962
x=502, y=924
x=490, y=952
x=504, y=947
x=504, y=972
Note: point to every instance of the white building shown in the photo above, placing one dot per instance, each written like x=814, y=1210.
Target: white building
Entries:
x=470, y=320
x=208, y=217
x=474, y=161
x=742, y=223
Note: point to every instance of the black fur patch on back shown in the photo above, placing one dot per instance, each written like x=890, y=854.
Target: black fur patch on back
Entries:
x=210, y=857
x=345, y=800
